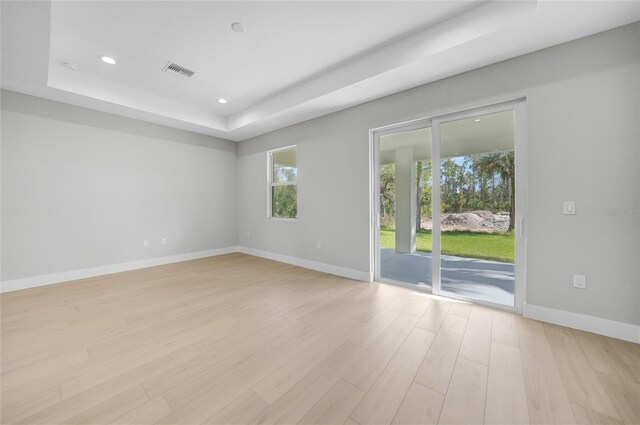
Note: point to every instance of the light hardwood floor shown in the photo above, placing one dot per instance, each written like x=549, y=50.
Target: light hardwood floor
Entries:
x=237, y=339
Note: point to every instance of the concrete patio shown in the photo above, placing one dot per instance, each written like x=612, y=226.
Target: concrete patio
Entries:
x=483, y=280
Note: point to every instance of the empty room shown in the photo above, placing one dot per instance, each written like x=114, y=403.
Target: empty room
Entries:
x=320, y=212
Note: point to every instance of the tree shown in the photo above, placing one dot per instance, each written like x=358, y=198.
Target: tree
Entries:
x=452, y=184
x=475, y=182
x=387, y=192
x=284, y=198
x=423, y=191
x=502, y=164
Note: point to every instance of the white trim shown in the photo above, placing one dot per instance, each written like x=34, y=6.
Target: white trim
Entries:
x=49, y=279
x=374, y=195
x=283, y=148
x=374, y=205
x=611, y=328
x=480, y=110
x=436, y=193
x=522, y=193
x=309, y=264
x=444, y=115
x=374, y=185
x=283, y=219
x=416, y=124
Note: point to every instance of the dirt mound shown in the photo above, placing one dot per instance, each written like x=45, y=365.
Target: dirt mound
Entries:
x=473, y=220
x=467, y=220
x=483, y=214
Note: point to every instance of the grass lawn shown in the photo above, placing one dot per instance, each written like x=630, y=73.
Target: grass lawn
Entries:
x=487, y=246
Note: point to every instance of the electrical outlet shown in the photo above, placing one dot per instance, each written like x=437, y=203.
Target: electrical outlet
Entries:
x=569, y=208
x=579, y=281
x=145, y=243
x=163, y=241
x=248, y=235
x=318, y=245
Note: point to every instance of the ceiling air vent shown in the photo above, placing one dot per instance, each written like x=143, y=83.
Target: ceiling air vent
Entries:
x=174, y=67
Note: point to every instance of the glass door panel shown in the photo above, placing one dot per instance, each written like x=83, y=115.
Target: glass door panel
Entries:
x=477, y=207
x=405, y=182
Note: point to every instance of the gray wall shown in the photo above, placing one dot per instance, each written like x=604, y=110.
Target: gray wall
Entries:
x=583, y=144
x=82, y=188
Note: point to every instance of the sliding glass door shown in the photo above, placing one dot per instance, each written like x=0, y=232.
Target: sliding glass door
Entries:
x=405, y=182
x=477, y=207
x=448, y=205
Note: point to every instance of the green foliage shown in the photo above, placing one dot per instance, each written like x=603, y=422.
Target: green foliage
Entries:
x=486, y=246
x=284, y=201
x=502, y=165
x=477, y=182
x=480, y=182
x=387, y=192
x=424, y=185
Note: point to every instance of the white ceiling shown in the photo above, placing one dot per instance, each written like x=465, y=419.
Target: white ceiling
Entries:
x=295, y=61
x=420, y=139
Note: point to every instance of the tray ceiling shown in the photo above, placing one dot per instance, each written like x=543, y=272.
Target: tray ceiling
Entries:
x=293, y=61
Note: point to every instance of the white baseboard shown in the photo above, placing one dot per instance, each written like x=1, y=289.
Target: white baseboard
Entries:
x=597, y=325
x=308, y=264
x=49, y=279
x=32, y=282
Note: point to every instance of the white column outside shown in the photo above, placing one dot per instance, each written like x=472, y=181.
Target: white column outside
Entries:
x=405, y=200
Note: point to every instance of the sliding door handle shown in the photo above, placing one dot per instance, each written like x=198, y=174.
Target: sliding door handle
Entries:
x=520, y=226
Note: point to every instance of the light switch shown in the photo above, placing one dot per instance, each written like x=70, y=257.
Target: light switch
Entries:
x=569, y=208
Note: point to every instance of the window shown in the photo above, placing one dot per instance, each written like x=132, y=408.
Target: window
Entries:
x=283, y=189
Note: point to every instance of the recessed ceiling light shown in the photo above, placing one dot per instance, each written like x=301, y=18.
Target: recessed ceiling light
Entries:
x=107, y=59
x=237, y=27
x=223, y=101
x=477, y=120
x=69, y=65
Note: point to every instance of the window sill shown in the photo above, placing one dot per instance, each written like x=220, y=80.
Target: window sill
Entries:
x=283, y=219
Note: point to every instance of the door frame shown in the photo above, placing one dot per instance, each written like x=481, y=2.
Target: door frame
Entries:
x=518, y=106
x=374, y=136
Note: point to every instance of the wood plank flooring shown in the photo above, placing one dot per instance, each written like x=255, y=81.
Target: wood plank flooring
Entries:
x=237, y=339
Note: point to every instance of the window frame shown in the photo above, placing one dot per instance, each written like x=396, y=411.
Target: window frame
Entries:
x=271, y=184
